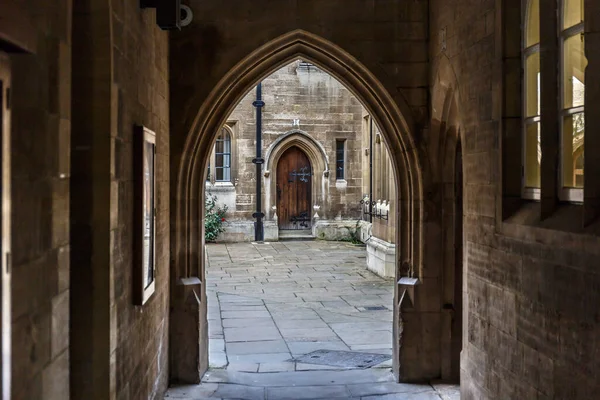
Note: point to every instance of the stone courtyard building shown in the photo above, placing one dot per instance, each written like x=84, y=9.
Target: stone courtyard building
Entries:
x=321, y=153
x=110, y=111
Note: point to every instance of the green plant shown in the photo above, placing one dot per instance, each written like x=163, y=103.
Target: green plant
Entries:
x=214, y=217
x=353, y=234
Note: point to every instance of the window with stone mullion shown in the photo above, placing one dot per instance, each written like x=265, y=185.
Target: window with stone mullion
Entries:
x=572, y=117
x=223, y=157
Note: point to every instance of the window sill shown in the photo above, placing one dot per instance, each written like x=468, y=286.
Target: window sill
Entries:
x=341, y=183
x=572, y=195
x=220, y=186
x=568, y=218
x=531, y=193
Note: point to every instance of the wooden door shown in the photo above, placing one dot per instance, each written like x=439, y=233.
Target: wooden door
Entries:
x=294, y=182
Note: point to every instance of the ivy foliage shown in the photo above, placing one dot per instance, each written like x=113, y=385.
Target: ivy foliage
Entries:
x=214, y=217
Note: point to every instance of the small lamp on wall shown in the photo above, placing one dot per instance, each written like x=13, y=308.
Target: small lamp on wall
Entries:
x=170, y=14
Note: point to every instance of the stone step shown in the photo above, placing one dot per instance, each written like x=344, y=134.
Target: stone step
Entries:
x=299, y=234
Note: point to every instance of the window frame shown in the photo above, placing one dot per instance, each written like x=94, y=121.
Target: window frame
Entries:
x=568, y=194
x=527, y=192
x=343, y=160
x=228, y=138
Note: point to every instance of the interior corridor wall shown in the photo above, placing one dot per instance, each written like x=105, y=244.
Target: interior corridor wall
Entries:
x=40, y=138
x=530, y=283
x=120, y=69
x=140, y=95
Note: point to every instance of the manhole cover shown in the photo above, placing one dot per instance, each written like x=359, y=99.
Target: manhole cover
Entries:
x=375, y=308
x=345, y=359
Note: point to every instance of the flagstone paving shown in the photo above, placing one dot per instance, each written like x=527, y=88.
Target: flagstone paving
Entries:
x=271, y=302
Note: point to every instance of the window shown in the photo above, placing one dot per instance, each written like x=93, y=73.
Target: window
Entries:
x=572, y=119
x=340, y=145
x=532, y=153
x=223, y=157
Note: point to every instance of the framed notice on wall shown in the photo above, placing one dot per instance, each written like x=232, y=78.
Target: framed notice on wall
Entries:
x=144, y=198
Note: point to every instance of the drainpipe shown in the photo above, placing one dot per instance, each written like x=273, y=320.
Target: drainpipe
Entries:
x=259, y=235
x=370, y=169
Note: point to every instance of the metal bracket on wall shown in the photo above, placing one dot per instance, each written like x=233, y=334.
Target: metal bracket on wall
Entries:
x=406, y=291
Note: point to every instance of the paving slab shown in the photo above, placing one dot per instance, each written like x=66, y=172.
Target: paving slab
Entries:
x=307, y=392
x=301, y=324
x=431, y=395
x=246, y=322
x=230, y=391
x=370, y=389
x=251, y=334
x=191, y=391
x=307, y=333
x=259, y=358
x=258, y=347
x=245, y=314
x=299, y=348
x=277, y=367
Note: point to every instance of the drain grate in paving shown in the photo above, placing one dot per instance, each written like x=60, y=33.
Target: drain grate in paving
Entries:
x=345, y=359
x=375, y=308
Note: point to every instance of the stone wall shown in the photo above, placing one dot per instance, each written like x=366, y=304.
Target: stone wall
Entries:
x=140, y=96
x=378, y=167
x=40, y=140
x=530, y=288
x=120, y=73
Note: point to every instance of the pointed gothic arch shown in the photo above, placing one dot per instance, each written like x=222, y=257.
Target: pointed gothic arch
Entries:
x=391, y=113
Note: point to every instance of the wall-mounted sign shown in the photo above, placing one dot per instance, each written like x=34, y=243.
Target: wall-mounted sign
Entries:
x=144, y=169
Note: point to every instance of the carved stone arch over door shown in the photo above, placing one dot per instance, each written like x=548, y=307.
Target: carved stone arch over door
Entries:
x=319, y=165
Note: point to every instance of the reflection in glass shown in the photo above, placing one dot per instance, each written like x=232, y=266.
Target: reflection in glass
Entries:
x=532, y=83
x=572, y=13
x=148, y=217
x=574, y=63
x=533, y=155
x=573, y=137
x=532, y=35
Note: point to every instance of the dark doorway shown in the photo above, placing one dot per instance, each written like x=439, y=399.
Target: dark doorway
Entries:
x=457, y=318
x=294, y=181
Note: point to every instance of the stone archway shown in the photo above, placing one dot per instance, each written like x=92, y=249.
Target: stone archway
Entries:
x=392, y=115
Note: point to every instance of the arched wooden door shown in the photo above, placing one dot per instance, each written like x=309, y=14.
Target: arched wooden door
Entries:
x=294, y=182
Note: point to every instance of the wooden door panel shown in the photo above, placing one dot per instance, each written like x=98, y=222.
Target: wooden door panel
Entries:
x=294, y=180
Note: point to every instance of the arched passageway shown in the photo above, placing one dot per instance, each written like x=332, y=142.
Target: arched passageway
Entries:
x=392, y=116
